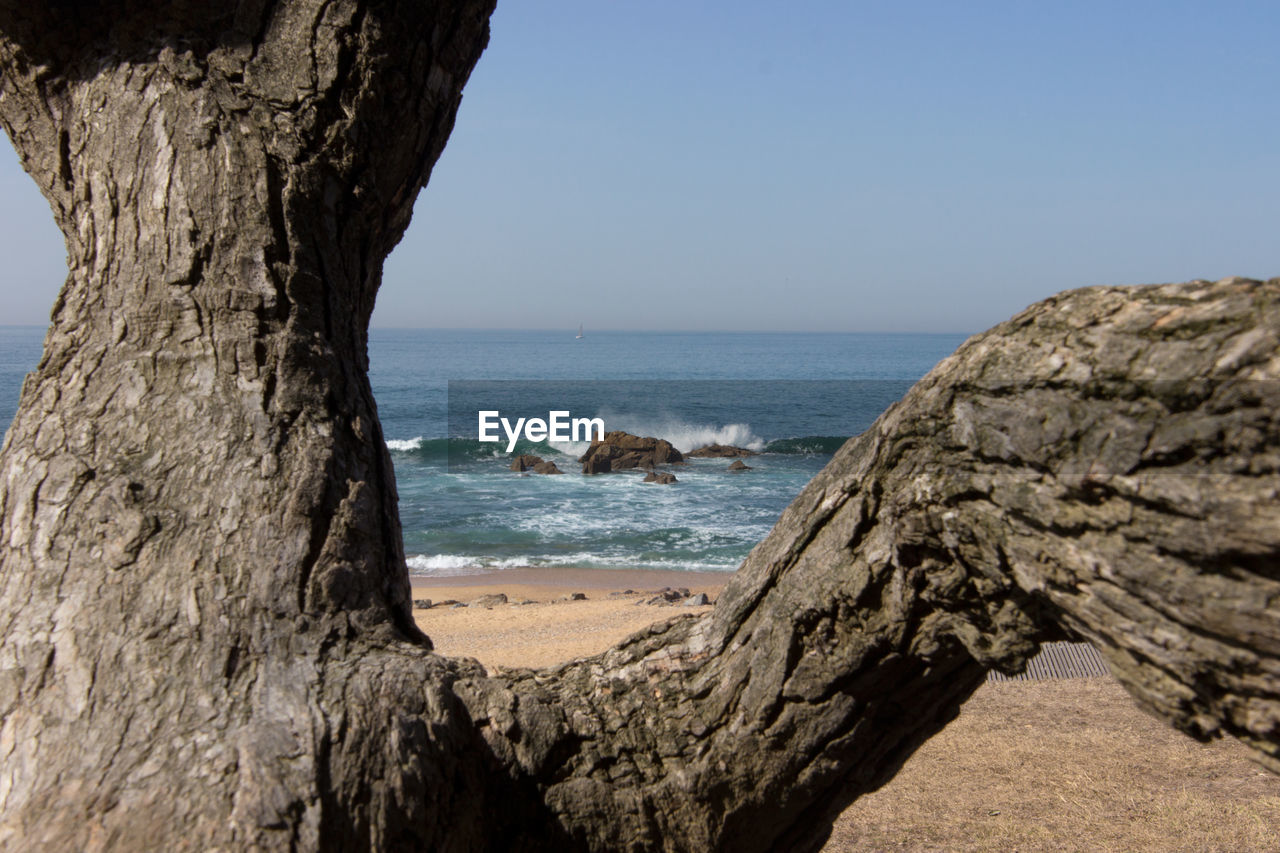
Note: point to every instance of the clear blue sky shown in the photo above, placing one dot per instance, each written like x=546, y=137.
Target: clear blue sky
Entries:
x=917, y=166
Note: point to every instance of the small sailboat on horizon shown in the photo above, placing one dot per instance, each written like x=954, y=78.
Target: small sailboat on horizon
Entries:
x=579, y=332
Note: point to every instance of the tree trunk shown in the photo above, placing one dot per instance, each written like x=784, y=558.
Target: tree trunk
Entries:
x=198, y=509
x=206, y=635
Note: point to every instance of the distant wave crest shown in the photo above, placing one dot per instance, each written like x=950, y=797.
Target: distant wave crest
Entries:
x=809, y=444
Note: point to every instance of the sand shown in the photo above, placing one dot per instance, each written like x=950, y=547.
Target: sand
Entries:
x=1029, y=765
x=550, y=630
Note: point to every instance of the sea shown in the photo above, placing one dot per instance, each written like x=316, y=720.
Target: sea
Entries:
x=792, y=398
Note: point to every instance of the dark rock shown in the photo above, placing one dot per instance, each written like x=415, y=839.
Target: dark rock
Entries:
x=660, y=477
x=738, y=466
x=621, y=451
x=525, y=461
x=448, y=602
x=546, y=468
x=422, y=603
x=489, y=600
x=719, y=451
x=668, y=596
x=697, y=600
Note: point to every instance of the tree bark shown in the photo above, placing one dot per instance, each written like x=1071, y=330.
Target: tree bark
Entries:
x=206, y=639
x=198, y=510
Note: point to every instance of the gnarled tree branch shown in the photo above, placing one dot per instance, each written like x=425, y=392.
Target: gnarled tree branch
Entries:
x=1106, y=462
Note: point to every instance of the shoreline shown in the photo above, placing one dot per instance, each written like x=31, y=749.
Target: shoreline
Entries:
x=552, y=579
x=540, y=624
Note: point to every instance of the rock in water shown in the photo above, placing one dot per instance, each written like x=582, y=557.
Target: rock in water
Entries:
x=719, y=451
x=525, y=461
x=662, y=478
x=739, y=466
x=620, y=451
x=546, y=468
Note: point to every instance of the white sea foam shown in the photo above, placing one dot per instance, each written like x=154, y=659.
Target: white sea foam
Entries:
x=569, y=448
x=458, y=564
x=686, y=436
x=448, y=565
x=403, y=444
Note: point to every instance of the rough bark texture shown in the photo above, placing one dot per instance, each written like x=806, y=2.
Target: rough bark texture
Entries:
x=205, y=636
x=198, y=511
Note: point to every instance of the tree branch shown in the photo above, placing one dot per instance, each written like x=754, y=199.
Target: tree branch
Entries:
x=1106, y=461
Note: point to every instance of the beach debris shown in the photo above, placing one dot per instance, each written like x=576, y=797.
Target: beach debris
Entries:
x=620, y=451
x=422, y=603
x=738, y=466
x=662, y=478
x=448, y=602
x=489, y=601
x=623, y=592
x=573, y=596
x=697, y=600
x=667, y=595
x=719, y=451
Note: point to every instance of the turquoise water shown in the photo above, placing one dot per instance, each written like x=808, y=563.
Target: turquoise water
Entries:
x=793, y=397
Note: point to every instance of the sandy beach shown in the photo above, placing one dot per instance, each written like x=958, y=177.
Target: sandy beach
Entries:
x=553, y=627
x=1040, y=765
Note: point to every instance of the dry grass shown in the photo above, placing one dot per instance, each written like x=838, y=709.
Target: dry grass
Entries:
x=1066, y=765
